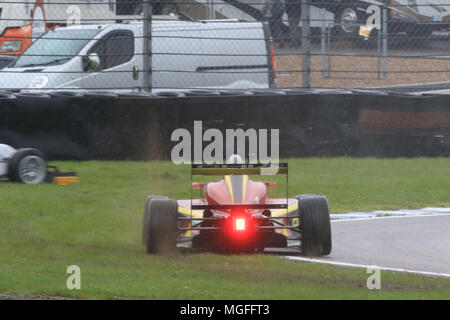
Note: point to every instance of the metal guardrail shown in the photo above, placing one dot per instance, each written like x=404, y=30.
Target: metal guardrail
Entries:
x=381, y=51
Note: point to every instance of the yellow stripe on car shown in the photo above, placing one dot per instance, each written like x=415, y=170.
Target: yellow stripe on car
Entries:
x=281, y=212
x=195, y=214
x=244, y=186
x=230, y=187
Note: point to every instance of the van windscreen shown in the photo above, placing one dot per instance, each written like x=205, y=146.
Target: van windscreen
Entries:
x=56, y=47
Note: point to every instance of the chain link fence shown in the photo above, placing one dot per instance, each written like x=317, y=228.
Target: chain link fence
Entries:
x=165, y=45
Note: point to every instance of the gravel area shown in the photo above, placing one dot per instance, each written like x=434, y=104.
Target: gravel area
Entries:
x=401, y=71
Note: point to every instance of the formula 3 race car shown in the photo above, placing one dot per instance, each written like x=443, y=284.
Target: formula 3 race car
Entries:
x=30, y=166
x=235, y=215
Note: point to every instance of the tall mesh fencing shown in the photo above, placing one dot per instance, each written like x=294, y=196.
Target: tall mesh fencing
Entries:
x=165, y=45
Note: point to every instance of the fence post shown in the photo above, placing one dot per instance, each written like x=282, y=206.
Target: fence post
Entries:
x=147, y=47
x=323, y=43
x=380, y=35
x=385, y=41
x=210, y=10
x=306, y=46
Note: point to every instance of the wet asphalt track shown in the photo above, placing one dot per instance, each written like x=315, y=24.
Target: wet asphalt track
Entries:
x=420, y=243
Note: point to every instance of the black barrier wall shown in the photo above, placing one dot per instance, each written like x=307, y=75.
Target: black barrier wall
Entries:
x=69, y=125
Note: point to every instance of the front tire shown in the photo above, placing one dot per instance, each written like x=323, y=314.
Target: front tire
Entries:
x=160, y=225
x=315, y=227
x=28, y=166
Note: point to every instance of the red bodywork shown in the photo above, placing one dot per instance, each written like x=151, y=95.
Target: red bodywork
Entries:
x=245, y=192
x=236, y=190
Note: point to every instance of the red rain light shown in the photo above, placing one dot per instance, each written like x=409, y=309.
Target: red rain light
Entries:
x=239, y=224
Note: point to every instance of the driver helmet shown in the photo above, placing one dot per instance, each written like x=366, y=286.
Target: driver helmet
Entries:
x=235, y=159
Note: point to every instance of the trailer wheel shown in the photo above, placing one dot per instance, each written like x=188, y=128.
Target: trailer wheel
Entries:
x=349, y=19
x=161, y=225
x=315, y=227
x=28, y=166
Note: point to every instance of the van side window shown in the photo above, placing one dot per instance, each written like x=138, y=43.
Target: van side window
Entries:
x=115, y=48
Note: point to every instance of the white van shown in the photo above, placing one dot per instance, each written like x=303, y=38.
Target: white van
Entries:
x=185, y=55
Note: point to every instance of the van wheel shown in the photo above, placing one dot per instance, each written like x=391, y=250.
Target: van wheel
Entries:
x=28, y=166
x=315, y=227
x=161, y=225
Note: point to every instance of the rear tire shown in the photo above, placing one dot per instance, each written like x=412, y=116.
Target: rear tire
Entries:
x=315, y=227
x=145, y=219
x=160, y=225
x=27, y=166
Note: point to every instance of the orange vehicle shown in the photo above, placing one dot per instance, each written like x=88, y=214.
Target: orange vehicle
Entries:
x=23, y=22
x=14, y=40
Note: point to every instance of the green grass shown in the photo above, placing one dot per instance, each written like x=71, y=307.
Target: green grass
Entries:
x=96, y=225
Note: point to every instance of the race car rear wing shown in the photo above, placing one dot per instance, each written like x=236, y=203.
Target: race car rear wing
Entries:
x=238, y=169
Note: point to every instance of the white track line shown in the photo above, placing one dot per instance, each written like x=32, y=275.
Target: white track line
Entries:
x=391, y=213
x=392, y=217
x=353, y=265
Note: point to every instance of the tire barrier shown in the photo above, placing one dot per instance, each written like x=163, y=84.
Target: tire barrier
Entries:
x=138, y=126
x=397, y=125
